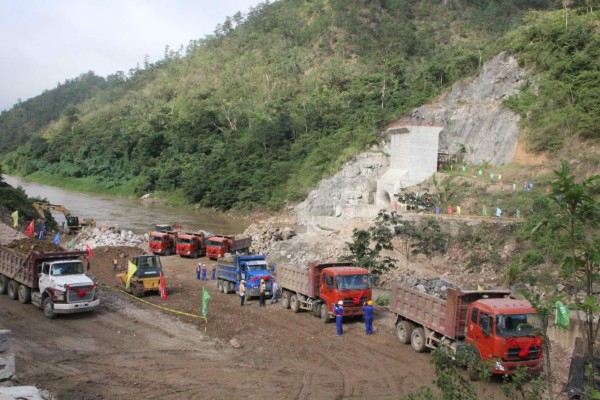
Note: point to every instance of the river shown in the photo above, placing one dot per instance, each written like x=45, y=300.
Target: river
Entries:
x=128, y=214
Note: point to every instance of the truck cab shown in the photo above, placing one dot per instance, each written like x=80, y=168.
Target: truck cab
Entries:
x=191, y=245
x=162, y=243
x=350, y=284
x=506, y=332
x=217, y=247
x=252, y=269
x=64, y=288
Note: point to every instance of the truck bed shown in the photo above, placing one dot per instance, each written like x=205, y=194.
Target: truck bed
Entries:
x=22, y=267
x=296, y=279
x=240, y=244
x=227, y=272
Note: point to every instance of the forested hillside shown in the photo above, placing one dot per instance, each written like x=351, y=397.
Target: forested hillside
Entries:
x=276, y=98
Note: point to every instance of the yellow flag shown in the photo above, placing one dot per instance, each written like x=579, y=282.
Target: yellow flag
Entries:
x=131, y=268
x=15, y=217
x=480, y=288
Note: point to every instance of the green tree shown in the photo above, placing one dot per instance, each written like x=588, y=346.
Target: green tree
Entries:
x=577, y=215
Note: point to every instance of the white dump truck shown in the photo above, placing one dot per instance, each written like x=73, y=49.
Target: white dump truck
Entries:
x=53, y=281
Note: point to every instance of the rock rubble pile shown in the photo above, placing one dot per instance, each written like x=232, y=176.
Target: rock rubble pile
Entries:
x=108, y=236
x=264, y=234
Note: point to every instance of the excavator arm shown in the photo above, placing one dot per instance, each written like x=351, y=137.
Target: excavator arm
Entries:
x=40, y=207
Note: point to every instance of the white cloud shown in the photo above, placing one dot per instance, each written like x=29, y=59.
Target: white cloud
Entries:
x=48, y=41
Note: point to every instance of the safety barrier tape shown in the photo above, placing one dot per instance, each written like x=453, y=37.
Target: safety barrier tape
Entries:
x=152, y=304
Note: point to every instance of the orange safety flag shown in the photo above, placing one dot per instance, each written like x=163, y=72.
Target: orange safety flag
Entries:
x=163, y=287
x=30, y=228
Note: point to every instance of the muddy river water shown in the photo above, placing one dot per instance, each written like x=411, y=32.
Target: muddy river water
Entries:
x=129, y=214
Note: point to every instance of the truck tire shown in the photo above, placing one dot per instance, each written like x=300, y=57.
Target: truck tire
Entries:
x=3, y=284
x=325, y=317
x=195, y=254
x=417, y=340
x=218, y=285
x=285, y=300
x=48, y=308
x=24, y=294
x=404, y=331
x=295, y=303
x=13, y=290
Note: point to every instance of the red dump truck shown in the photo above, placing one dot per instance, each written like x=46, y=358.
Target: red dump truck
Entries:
x=320, y=286
x=499, y=329
x=53, y=281
x=191, y=244
x=219, y=245
x=163, y=243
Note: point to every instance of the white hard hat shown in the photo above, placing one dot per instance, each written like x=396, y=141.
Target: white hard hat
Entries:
x=340, y=302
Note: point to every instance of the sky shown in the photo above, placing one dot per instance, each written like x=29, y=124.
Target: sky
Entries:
x=45, y=42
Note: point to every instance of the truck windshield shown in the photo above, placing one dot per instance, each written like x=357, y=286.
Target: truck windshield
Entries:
x=67, y=268
x=212, y=243
x=156, y=239
x=516, y=325
x=184, y=240
x=352, y=282
x=256, y=267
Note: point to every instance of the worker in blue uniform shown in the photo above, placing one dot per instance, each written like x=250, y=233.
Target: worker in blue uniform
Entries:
x=368, y=309
x=198, y=271
x=338, y=310
x=204, y=272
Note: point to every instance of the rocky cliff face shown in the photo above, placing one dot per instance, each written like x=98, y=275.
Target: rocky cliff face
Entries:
x=473, y=115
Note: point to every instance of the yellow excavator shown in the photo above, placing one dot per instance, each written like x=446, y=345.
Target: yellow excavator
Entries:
x=73, y=223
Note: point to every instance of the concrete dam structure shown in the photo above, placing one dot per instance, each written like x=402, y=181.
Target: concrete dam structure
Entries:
x=413, y=159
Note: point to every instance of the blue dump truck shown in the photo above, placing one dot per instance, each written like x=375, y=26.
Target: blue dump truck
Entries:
x=249, y=268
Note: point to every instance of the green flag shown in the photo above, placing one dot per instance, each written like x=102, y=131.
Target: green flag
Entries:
x=71, y=244
x=15, y=217
x=205, y=299
x=562, y=315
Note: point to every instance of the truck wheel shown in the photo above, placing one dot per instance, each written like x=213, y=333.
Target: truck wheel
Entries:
x=218, y=285
x=3, y=284
x=417, y=340
x=24, y=294
x=294, y=303
x=48, y=308
x=224, y=287
x=195, y=254
x=285, y=300
x=325, y=317
x=404, y=331
x=13, y=290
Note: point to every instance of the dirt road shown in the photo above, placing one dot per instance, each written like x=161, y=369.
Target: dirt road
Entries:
x=130, y=349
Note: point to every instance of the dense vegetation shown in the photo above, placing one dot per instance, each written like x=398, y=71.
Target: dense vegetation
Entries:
x=258, y=112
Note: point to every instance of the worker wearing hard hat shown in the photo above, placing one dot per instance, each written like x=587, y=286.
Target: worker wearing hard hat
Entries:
x=338, y=310
x=242, y=292
x=262, y=291
x=368, y=309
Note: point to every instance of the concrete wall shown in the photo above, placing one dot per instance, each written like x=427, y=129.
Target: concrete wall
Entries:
x=413, y=159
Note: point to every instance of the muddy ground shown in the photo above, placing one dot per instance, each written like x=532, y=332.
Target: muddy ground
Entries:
x=130, y=348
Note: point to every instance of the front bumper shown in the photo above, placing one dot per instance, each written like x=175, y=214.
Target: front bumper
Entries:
x=509, y=367
x=71, y=308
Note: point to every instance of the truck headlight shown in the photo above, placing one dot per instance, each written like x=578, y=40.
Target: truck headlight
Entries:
x=58, y=295
x=499, y=367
